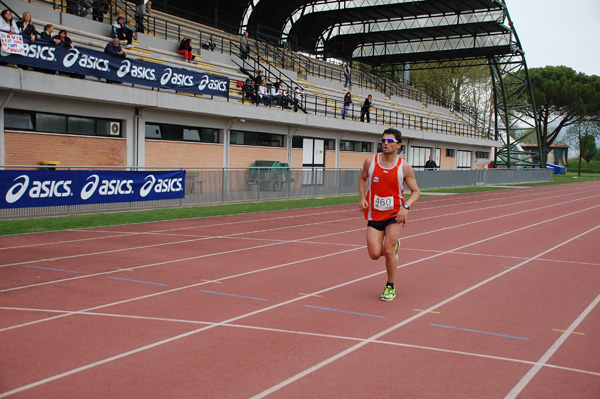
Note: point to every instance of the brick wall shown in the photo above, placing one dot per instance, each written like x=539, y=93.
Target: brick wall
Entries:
x=32, y=148
x=244, y=156
x=175, y=153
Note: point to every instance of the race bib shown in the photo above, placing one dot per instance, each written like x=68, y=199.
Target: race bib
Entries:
x=383, y=203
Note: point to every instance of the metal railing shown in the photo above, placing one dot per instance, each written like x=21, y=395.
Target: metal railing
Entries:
x=204, y=186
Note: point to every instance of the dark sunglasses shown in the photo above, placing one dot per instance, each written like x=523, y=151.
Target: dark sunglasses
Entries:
x=389, y=141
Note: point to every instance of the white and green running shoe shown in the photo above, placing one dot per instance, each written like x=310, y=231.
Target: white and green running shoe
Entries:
x=389, y=293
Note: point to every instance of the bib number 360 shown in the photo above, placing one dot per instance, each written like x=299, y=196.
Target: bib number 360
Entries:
x=383, y=203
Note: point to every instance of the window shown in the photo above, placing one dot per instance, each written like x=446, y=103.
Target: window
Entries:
x=463, y=160
x=256, y=138
x=482, y=154
x=18, y=120
x=356, y=146
x=449, y=153
x=56, y=123
x=51, y=123
x=297, y=143
x=164, y=131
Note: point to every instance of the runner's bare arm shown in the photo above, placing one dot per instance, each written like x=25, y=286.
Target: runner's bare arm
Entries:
x=362, y=184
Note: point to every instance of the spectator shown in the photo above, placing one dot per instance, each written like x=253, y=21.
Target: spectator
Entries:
x=26, y=27
x=185, y=49
x=64, y=39
x=122, y=31
x=284, y=99
x=248, y=90
x=262, y=93
x=298, y=94
x=275, y=94
x=209, y=45
x=7, y=24
x=430, y=164
x=348, y=76
x=86, y=6
x=346, y=107
x=47, y=34
x=366, y=109
x=114, y=48
x=244, y=46
x=100, y=8
x=143, y=11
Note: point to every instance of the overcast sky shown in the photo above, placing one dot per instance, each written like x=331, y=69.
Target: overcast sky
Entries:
x=559, y=32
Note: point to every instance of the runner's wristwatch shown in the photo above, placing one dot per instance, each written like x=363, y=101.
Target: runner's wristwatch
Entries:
x=405, y=206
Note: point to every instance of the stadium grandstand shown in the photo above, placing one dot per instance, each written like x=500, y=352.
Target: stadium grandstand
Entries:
x=79, y=107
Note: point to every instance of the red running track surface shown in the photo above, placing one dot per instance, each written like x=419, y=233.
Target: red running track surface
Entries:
x=497, y=298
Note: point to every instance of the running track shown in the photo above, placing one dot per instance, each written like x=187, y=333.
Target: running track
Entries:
x=498, y=297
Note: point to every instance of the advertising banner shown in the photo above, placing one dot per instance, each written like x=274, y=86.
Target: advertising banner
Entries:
x=82, y=61
x=34, y=188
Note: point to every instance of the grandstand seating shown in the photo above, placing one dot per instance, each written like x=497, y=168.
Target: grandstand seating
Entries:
x=325, y=92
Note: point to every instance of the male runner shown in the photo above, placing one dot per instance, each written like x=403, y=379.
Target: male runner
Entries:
x=381, y=188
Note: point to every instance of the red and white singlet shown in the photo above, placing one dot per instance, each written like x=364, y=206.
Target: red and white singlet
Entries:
x=385, y=190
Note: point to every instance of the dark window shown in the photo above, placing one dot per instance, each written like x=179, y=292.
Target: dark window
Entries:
x=79, y=125
x=51, y=123
x=449, y=153
x=482, y=154
x=181, y=133
x=55, y=123
x=256, y=138
x=18, y=120
x=356, y=146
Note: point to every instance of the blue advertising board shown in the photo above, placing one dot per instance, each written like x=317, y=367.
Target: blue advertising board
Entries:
x=83, y=61
x=34, y=188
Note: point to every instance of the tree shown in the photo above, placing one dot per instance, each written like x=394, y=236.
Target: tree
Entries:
x=562, y=98
x=575, y=138
x=588, y=149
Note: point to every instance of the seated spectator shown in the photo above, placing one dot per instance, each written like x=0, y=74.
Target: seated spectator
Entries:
x=7, y=24
x=84, y=5
x=143, y=11
x=209, y=45
x=185, y=49
x=248, y=91
x=47, y=34
x=298, y=94
x=26, y=27
x=284, y=99
x=122, y=31
x=114, y=48
x=64, y=39
x=263, y=95
x=274, y=94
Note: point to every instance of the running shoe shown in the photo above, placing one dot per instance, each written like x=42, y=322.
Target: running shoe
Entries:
x=389, y=293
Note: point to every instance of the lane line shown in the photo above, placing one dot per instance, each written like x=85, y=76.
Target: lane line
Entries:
x=233, y=295
x=574, y=333
x=50, y=268
x=544, y=359
x=479, y=331
x=135, y=281
x=344, y=311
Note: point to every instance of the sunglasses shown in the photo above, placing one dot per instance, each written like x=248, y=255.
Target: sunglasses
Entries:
x=389, y=141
